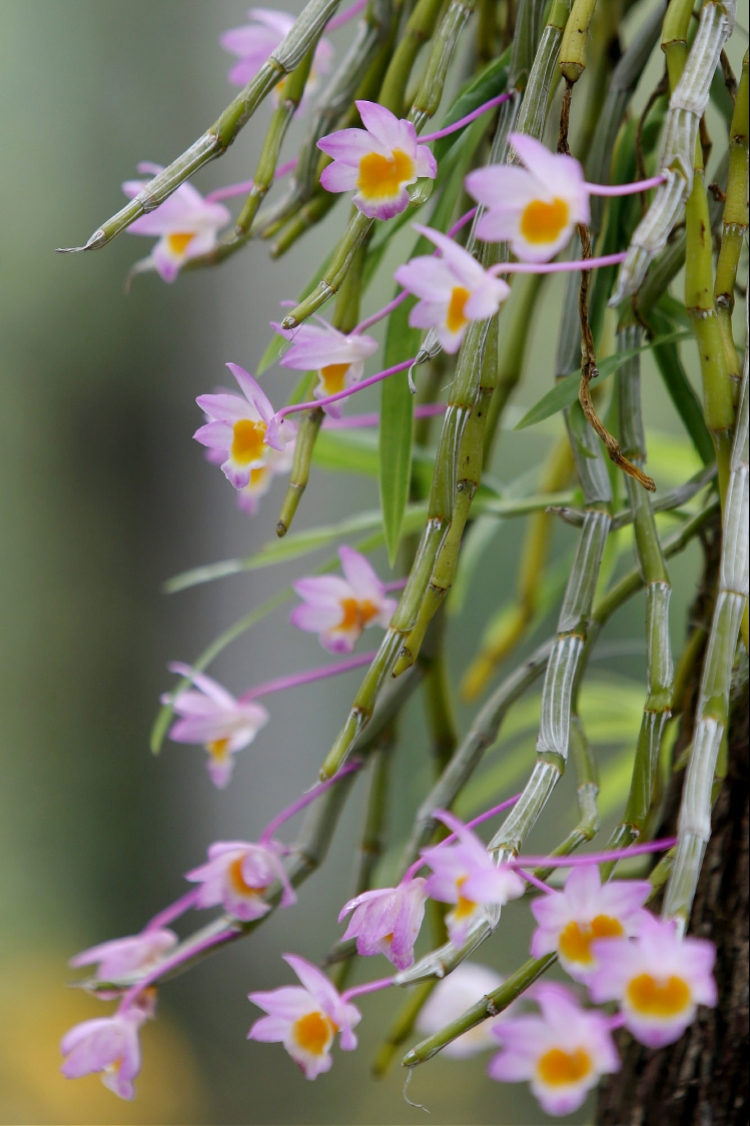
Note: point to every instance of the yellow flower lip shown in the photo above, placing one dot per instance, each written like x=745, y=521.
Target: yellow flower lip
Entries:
x=381, y=177
x=656, y=997
x=333, y=377
x=574, y=943
x=356, y=613
x=455, y=318
x=248, y=441
x=178, y=242
x=558, y=1068
x=314, y=1033
x=543, y=222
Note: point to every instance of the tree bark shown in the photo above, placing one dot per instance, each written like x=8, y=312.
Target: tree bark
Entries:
x=702, y=1080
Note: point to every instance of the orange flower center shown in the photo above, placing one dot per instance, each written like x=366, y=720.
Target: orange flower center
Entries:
x=653, y=997
x=218, y=749
x=179, y=242
x=237, y=878
x=356, y=614
x=247, y=441
x=333, y=376
x=381, y=177
x=558, y=1068
x=542, y=222
x=314, y=1033
x=575, y=940
x=455, y=318
x=464, y=907
x=258, y=476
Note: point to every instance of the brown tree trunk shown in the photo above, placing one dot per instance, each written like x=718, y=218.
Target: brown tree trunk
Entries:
x=702, y=1080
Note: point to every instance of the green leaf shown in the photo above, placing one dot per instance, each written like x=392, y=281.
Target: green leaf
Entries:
x=294, y=546
x=565, y=393
x=348, y=451
x=678, y=387
x=491, y=82
x=396, y=426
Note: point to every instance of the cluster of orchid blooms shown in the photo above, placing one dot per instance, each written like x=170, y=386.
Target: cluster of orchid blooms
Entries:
x=602, y=934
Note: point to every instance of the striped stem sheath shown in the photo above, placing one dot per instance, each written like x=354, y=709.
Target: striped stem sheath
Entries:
x=216, y=140
x=650, y=557
x=509, y=624
x=694, y=825
x=687, y=105
x=470, y=456
x=734, y=220
x=554, y=730
x=360, y=227
x=461, y=402
x=443, y=961
x=291, y=96
x=597, y=166
x=439, y=517
x=336, y=99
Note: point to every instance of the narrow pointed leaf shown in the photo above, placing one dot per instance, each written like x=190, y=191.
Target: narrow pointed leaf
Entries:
x=565, y=393
x=396, y=426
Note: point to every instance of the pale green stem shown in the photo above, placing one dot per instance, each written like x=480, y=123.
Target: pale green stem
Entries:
x=574, y=43
x=686, y=107
x=734, y=220
x=694, y=825
x=360, y=226
x=334, y=102
x=650, y=557
x=545, y=774
x=216, y=140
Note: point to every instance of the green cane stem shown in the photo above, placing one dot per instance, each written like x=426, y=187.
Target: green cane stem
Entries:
x=216, y=140
x=734, y=221
x=712, y=712
x=574, y=42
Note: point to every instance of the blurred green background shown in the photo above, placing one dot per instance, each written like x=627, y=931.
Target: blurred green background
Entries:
x=104, y=495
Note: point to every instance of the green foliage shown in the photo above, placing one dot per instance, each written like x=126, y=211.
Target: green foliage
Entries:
x=565, y=391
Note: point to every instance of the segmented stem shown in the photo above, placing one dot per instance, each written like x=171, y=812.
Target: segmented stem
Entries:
x=650, y=557
x=687, y=104
x=216, y=140
x=694, y=825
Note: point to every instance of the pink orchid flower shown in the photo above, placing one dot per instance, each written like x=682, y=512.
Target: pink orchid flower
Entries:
x=339, y=609
x=464, y=873
x=338, y=359
x=658, y=978
x=387, y=921
x=535, y=208
x=563, y=1052
x=378, y=162
x=185, y=224
x=213, y=717
x=451, y=997
x=238, y=428
x=238, y=875
x=306, y=1018
x=124, y=956
x=109, y=1045
x=453, y=290
x=571, y=920
x=254, y=42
